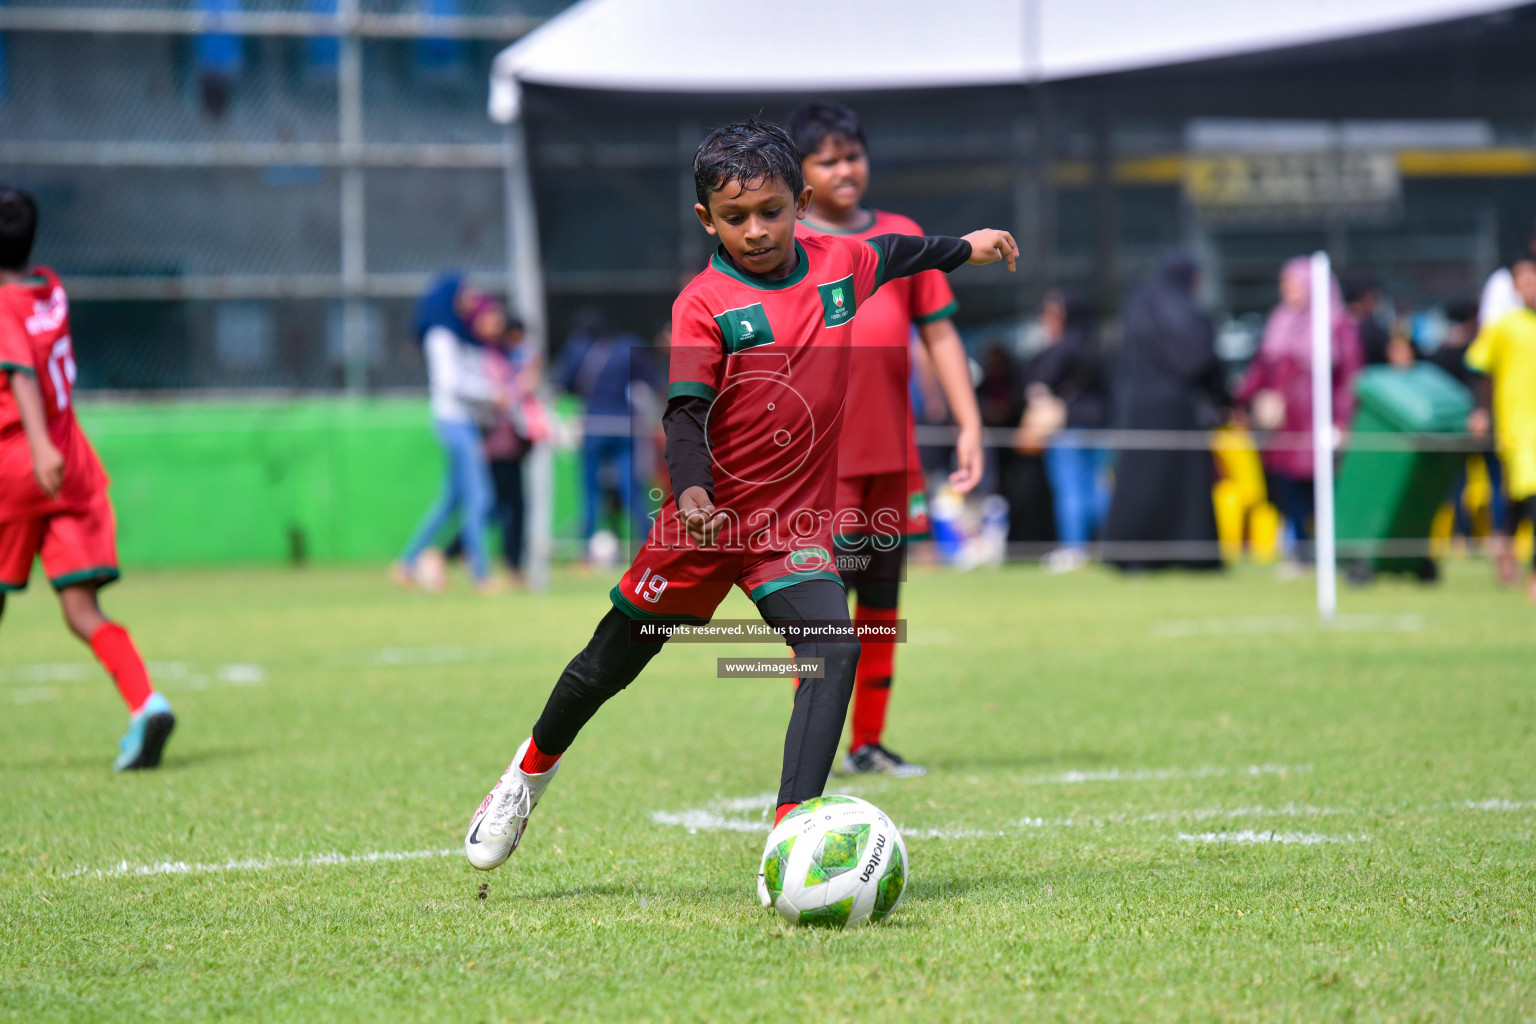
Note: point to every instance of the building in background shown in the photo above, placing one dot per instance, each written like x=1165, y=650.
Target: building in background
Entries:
x=250, y=193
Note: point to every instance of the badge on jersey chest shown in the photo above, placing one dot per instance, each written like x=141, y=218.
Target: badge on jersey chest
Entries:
x=744, y=328
x=837, y=301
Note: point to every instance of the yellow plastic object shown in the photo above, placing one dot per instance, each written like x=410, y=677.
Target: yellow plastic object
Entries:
x=1243, y=511
x=1440, y=530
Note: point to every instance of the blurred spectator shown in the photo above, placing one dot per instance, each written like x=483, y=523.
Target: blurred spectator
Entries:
x=599, y=365
x=1362, y=296
x=447, y=319
x=1066, y=382
x=1451, y=357
x=219, y=56
x=1499, y=293
x=1277, y=390
x=1168, y=377
x=1017, y=473
x=517, y=422
x=1506, y=351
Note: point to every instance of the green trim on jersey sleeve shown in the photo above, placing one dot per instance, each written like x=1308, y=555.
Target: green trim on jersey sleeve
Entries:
x=632, y=610
x=941, y=313
x=691, y=389
x=17, y=368
x=879, y=264
x=772, y=586
x=12, y=588
x=104, y=573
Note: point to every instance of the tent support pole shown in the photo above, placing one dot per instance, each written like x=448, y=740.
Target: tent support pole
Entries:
x=525, y=286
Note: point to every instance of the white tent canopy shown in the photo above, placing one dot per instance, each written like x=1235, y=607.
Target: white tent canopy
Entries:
x=795, y=45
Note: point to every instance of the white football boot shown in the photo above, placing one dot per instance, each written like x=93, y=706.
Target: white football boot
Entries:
x=498, y=825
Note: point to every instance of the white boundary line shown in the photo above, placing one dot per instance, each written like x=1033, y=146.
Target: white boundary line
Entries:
x=1279, y=625
x=1250, y=836
x=180, y=867
x=1077, y=777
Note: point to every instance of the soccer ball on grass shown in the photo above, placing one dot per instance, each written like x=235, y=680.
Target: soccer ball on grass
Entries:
x=834, y=861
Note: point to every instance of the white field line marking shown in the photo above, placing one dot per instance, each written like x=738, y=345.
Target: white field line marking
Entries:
x=124, y=869
x=1077, y=777
x=723, y=814
x=34, y=694
x=1248, y=835
x=179, y=675
x=732, y=814
x=1274, y=625
x=448, y=654
x=54, y=672
x=1499, y=804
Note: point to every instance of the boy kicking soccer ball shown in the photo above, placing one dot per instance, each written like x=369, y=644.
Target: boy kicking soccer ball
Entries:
x=880, y=487
x=760, y=364
x=53, y=491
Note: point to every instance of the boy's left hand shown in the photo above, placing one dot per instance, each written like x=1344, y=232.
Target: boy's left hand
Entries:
x=990, y=245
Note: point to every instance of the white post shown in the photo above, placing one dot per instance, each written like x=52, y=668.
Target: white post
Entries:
x=526, y=288
x=1322, y=436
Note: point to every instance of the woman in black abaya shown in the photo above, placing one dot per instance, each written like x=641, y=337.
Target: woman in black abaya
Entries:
x=1168, y=378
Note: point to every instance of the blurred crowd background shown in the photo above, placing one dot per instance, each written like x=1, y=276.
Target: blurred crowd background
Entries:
x=249, y=200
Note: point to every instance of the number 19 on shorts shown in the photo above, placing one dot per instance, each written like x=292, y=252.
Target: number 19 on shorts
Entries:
x=650, y=586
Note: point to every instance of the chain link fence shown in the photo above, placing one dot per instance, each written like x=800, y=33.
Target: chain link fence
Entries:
x=246, y=194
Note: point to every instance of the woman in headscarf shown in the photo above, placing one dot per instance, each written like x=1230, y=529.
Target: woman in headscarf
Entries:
x=446, y=320
x=1068, y=376
x=1277, y=391
x=1168, y=377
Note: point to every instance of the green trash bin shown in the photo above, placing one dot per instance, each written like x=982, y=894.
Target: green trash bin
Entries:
x=1393, y=495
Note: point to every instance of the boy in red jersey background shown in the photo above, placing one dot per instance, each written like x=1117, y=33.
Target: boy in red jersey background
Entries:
x=880, y=494
x=53, y=491
x=759, y=370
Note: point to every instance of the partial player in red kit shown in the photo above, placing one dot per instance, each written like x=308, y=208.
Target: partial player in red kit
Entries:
x=880, y=494
x=53, y=491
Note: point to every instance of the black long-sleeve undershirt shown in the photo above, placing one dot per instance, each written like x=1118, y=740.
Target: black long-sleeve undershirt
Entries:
x=688, y=459
x=906, y=255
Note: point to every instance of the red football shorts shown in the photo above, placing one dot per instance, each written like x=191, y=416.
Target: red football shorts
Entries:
x=881, y=505
x=76, y=546
x=676, y=580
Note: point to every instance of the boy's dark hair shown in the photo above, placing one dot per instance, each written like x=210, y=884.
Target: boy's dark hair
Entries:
x=815, y=123
x=1519, y=258
x=18, y=227
x=750, y=153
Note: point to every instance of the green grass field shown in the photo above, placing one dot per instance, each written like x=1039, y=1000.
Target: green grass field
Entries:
x=1154, y=799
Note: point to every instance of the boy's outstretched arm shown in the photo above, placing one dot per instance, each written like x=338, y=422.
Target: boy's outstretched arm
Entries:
x=47, y=461
x=905, y=255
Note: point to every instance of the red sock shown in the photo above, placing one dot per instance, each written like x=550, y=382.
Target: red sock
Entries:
x=535, y=761
x=114, y=649
x=783, y=809
x=872, y=682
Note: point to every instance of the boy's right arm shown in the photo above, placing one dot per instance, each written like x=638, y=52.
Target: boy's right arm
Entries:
x=47, y=461
x=696, y=357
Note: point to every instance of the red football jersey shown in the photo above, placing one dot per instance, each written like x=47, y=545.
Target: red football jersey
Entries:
x=773, y=358
x=879, y=433
x=34, y=339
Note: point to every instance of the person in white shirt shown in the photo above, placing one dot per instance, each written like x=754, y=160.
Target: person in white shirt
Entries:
x=450, y=320
x=1499, y=294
